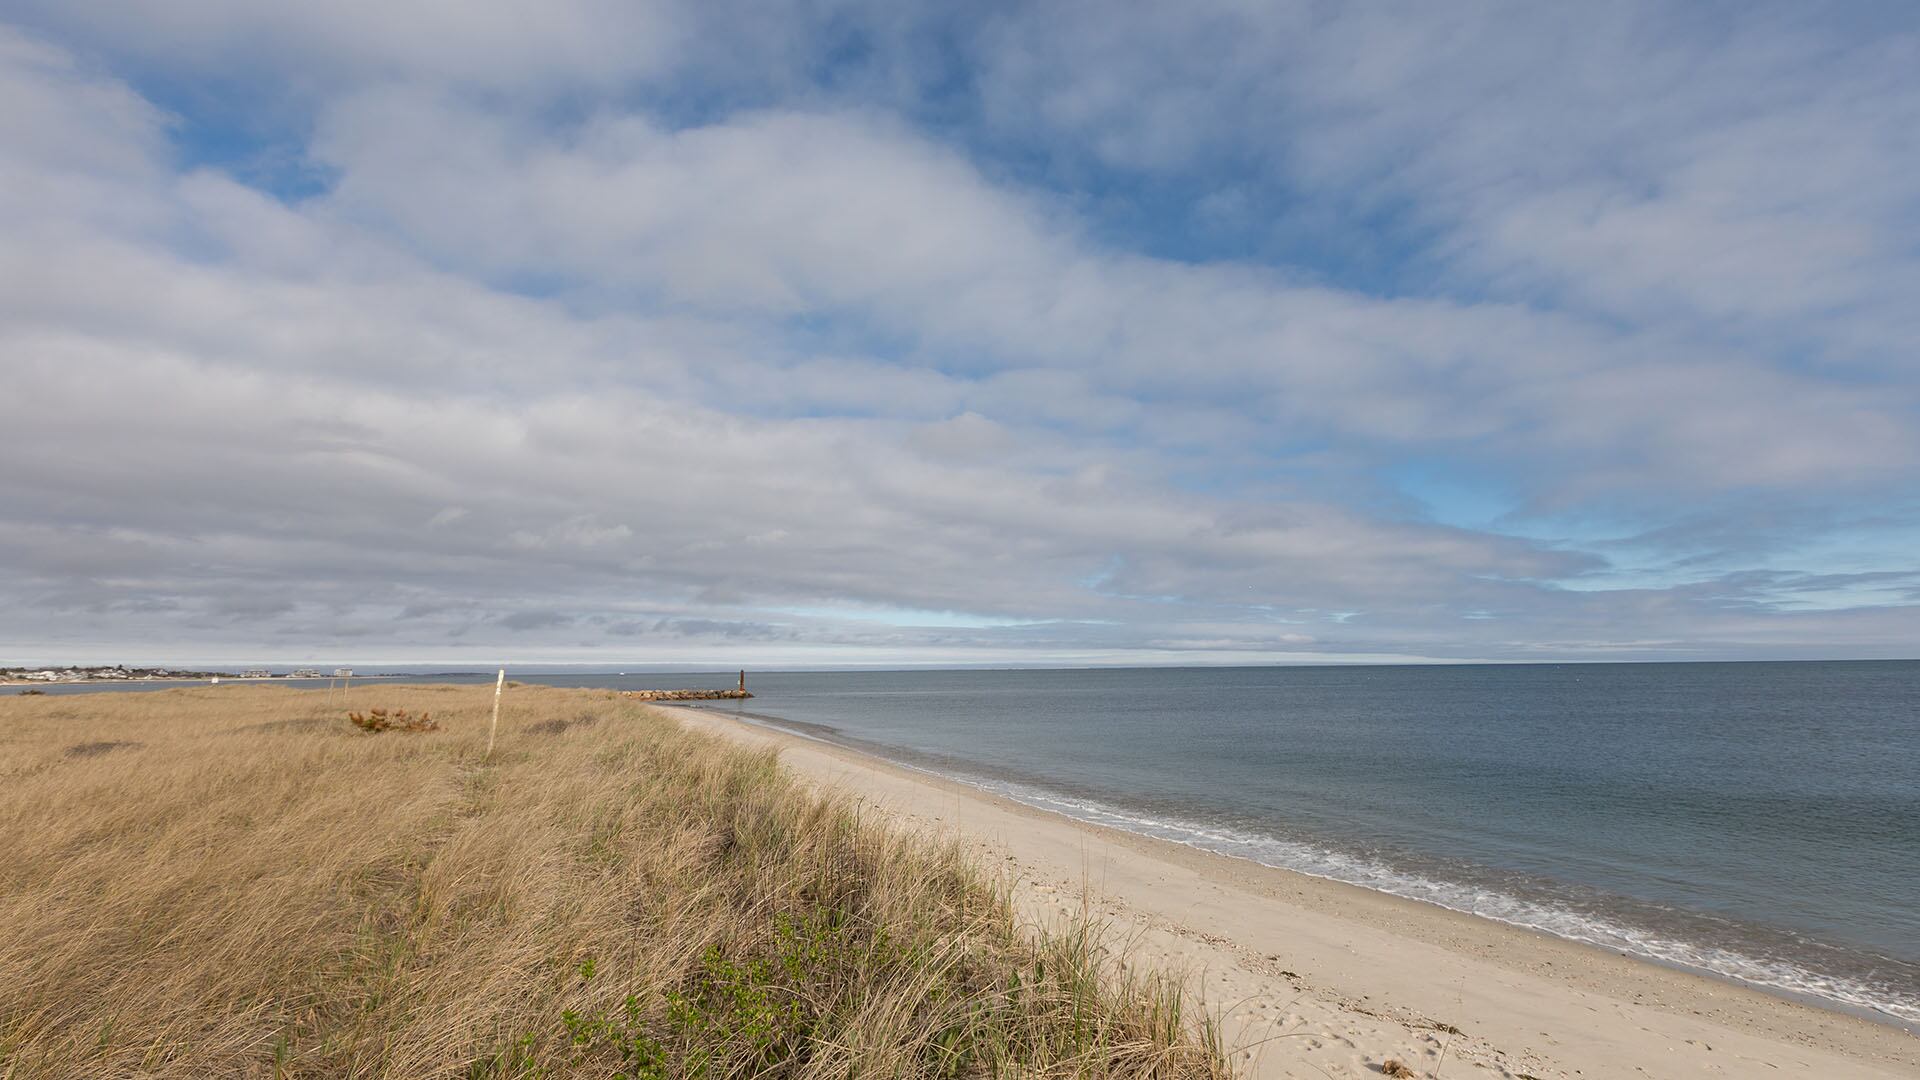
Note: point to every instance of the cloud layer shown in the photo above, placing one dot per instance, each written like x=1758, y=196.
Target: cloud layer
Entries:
x=861, y=334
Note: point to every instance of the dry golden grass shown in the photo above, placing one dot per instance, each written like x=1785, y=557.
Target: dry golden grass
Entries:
x=234, y=881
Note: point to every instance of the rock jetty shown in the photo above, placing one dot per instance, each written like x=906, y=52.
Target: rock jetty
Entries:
x=693, y=695
x=685, y=695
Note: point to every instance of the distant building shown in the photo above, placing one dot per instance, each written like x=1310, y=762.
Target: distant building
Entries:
x=343, y=673
x=305, y=673
x=256, y=673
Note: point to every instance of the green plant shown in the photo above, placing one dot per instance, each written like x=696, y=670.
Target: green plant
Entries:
x=740, y=1010
x=733, y=1016
x=641, y=1056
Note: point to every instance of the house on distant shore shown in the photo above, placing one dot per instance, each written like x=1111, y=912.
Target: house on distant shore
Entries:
x=256, y=673
x=343, y=673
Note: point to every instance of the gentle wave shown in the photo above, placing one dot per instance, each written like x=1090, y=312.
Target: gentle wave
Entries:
x=1586, y=927
x=1490, y=903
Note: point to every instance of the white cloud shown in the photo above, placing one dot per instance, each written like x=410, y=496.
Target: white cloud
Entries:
x=1744, y=171
x=625, y=377
x=776, y=212
x=773, y=215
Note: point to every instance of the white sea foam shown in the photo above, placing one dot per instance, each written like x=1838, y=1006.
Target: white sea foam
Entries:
x=1500, y=906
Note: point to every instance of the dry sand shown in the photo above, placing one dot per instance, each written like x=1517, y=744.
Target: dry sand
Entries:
x=1317, y=978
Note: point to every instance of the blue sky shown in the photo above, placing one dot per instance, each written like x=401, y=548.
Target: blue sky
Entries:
x=858, y=333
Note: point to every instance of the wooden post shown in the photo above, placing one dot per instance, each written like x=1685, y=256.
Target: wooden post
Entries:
x=499, y=684
x=743, y=679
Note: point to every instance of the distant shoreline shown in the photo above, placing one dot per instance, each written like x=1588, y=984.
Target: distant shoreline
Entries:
x=197, y=679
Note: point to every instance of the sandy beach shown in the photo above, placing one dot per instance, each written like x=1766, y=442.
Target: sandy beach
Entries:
x=1318, y=978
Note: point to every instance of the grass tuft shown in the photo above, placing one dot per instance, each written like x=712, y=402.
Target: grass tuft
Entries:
x=377, y=720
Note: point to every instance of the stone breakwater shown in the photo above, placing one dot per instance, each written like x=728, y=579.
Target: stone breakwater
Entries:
x=686, y=695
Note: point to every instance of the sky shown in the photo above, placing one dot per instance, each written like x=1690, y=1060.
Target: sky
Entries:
x=848, y=333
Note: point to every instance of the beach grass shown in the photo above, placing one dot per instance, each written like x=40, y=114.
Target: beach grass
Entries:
x=237, y=881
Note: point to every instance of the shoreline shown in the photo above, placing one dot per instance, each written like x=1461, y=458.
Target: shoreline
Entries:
x=195, y=681
x=1027, y=795
x=1341, y=978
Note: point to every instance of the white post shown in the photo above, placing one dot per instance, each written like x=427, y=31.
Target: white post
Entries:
x=499, y=684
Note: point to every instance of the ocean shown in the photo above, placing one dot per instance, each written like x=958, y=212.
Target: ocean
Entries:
x=1757, y=821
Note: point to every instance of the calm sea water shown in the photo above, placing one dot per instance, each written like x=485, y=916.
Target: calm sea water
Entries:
x=1758, y=821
